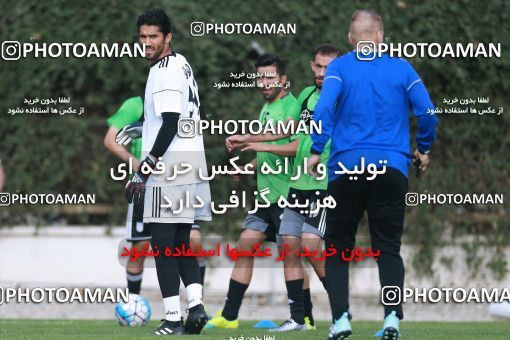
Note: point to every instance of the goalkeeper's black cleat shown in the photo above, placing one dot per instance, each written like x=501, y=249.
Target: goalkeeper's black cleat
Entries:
x=170, y=328
x=197, y=318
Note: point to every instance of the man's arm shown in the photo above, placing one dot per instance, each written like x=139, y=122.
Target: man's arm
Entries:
x=167, y=98
x=135, y=189
x=166, y=134
x=287, y=149
x=427, y=122
x=325, y=109
x=119, y=151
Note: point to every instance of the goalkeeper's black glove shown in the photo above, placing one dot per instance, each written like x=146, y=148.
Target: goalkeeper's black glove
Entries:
x=128, y=133
x=135, y=188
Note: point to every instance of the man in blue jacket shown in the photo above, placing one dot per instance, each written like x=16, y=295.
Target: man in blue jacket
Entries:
x=364, y=109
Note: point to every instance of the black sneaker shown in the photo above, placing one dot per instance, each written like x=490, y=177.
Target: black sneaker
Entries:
x=170, y=328
x=197, y=318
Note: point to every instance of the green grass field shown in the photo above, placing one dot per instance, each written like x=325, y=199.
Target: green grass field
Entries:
x=80, y=329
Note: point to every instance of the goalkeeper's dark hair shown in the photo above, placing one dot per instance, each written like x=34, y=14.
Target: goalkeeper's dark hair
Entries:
x=271, y=59
x=326, y=49
x=155, y=17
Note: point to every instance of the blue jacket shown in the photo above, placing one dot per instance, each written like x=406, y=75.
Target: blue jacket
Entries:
x=364, y=109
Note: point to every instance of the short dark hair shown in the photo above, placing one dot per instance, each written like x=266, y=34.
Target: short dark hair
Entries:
x=155, y=17
x=326, y=49
x=271, y=59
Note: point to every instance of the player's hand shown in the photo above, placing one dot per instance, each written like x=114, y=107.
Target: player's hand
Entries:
x=128, y=133
x=235, y=141
x=423, y=160
x=135, y=188
x=255, y=146
x=312, y=163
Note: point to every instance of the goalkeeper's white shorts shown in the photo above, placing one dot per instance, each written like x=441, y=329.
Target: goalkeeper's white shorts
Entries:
x=185, y=203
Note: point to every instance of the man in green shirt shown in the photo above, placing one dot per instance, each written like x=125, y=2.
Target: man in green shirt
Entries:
x=131, y=112
x=300, y=228
x=263, y=224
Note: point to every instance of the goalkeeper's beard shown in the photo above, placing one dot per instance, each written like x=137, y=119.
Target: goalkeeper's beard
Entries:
x=156, y=52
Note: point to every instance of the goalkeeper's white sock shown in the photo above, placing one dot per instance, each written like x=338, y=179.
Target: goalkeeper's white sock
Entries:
x=172, y=308
x=194, y=291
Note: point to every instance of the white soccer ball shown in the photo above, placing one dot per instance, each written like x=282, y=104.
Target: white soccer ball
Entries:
x=135, y=312
x=500, y=310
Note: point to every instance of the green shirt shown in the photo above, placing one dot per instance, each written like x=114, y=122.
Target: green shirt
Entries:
x=307, y=181
x=129, y=112
x=278, y=184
